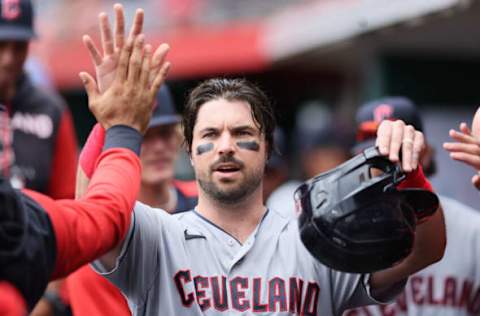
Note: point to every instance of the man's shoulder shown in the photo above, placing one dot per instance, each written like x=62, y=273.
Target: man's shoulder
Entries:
x=30, y=97
x=460, y=214
x=148, y=212
x=458, y=208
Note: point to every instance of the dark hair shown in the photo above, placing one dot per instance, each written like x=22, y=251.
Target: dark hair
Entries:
x=230, y=90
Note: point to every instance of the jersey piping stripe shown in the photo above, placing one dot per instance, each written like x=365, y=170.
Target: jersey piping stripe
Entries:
x=221, y=229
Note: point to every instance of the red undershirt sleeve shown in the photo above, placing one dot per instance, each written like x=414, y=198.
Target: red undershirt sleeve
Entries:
x=64, y=165
x=89, y=227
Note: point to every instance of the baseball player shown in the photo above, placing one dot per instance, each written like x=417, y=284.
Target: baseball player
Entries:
x=44, y=144
x=43, y=239
x=230, y=254
x=451, y=286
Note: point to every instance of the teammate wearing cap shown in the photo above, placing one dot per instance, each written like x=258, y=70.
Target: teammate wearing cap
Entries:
x=44, y=144
x=232, y=255
x=451, y=286
x=91, y=294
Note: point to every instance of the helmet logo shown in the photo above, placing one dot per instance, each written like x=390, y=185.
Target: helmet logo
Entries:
x=383, y=111
x=11, y=9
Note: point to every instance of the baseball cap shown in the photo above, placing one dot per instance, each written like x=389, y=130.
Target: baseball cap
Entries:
x=371, y=114
x=164, y=112
x=16, y=20
x=333, y=134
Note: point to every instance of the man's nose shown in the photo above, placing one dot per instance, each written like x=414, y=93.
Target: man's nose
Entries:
x=226, y=144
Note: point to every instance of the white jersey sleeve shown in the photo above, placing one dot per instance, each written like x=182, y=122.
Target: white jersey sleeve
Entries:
x=139, y=261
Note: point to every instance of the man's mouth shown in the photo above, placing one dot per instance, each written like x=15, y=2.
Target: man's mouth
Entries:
x=227, y=168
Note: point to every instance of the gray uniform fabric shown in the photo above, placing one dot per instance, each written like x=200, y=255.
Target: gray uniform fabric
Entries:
x=450, y=287
x=183, y=264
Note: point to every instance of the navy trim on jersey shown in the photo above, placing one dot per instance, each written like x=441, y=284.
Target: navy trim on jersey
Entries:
x=218, y=227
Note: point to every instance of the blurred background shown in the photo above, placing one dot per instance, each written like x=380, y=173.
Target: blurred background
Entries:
x=318, y=60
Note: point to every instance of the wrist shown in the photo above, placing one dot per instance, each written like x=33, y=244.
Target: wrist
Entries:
x=92, y=150
x=123, y=136
x=416, y=179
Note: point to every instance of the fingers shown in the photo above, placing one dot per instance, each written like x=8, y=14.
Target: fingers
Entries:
x=393, y=135
x=119, y=26
x=418, y=147
x=144, y=75
x=159, y=55
x=90, y=85
x=158, y=60
x=469, y=159
x=462, y=137
x=465, y=152
x=136, y=59
x=407, y=147
x=384, y=134
x=137, y=25
x=106, y=34
x=465, y=129
x=396, y=140
x=95, y=55
x=473, y=149
x=160, y=78
x=125, y=53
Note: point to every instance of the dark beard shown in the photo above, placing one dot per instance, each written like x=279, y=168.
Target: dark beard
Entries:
x=232, y=196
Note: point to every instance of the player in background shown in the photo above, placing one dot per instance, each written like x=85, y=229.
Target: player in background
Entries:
x=276, y=170
x=230, y=253
x=43, y=239
x=466, y=146
x=320, y=150
x=45, y=144
x=91, y=294
x=452, y=285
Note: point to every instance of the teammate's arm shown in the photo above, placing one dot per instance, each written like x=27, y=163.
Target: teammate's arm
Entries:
x=430, y=239
x=105, y=68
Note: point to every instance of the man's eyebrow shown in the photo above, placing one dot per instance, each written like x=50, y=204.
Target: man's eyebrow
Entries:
x=244, y=128
x=208, y=129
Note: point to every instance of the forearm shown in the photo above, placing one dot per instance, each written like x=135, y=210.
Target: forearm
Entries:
x=92, y=225
x=428, y=248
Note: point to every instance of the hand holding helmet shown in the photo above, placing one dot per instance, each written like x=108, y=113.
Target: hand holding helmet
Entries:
x=354, y=218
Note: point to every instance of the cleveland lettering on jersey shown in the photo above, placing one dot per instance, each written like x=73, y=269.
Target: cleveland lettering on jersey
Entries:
x=423, y=290
x=246, y=294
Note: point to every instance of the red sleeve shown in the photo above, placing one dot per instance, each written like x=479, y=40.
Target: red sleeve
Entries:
x=188, y=188
x=89, y=227
x=64, y=164
x=11, y=301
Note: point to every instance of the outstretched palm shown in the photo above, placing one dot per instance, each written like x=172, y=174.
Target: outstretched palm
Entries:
x=106, y=65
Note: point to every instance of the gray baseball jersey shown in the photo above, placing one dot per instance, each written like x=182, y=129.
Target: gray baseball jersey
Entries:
x=450, y=287
x=183, y=264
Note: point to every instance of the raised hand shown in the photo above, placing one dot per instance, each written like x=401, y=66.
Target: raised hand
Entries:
x=466, y=149
x=128, y=99
x=393, y=136
x=105, y=65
